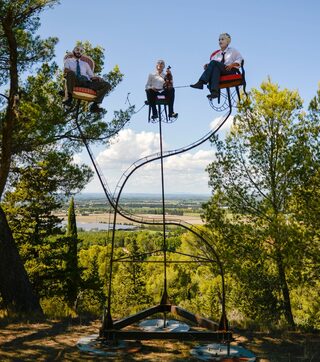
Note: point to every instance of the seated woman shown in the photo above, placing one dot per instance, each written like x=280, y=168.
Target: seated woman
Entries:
x=224, y=61
x=158, y=84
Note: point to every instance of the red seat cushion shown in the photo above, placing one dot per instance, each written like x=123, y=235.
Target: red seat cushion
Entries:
x=230, y=80
x=85, y=90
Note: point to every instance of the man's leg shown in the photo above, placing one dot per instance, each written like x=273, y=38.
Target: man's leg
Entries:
x=70, y=84
x=170, y=93
x=101, y=87
x=211, y=76
x=151, y=97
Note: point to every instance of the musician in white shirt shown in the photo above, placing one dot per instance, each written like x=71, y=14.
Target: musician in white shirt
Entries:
x=79, y=73
x=226, y=60
x=156, y=84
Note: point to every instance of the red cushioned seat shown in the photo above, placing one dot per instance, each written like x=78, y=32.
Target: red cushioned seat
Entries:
x=85, y=94
x=230, y=80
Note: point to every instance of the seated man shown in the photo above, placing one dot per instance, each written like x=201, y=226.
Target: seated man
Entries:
x=224, y=61
x=158, y=84
x=79, y=74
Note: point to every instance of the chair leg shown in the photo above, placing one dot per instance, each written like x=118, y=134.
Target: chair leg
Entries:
x=149, y=115
x=229, y=98
x=166, y=111
x=159, y=112
x=238, y=92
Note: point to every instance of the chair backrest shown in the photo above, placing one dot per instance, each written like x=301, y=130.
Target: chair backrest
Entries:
x=82, y=93
x=84, y=58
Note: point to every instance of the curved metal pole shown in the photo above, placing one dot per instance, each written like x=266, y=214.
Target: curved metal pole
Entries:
x=107, y=323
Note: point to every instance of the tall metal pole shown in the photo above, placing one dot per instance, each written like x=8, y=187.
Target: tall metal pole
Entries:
x=165, y=294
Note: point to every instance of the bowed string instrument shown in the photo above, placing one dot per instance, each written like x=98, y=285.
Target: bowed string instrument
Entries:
x=168, y=79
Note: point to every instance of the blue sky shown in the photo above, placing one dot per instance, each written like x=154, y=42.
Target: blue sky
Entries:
x=276, y=38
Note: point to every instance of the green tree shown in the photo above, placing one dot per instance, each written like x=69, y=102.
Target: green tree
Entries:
x=129, y=287
x=93, y=263
x=19, y=50
x=256, y=169
x=73, y=275
x=249, y=282
x=29, y=207
x=32, y=120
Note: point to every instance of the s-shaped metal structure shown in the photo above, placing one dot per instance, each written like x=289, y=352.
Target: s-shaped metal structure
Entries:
x=112, y=330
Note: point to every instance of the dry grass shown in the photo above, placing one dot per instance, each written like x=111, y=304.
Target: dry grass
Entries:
x=56, y=341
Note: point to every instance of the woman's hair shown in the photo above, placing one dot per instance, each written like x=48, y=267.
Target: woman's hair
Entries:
x=227, y=36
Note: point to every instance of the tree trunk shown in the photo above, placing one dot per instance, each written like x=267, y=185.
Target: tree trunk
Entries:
x=285, y=294
x=15, y=287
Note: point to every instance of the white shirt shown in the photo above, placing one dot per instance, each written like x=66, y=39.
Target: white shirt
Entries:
x=231, y=55
x=155, y=80
x=71, y=63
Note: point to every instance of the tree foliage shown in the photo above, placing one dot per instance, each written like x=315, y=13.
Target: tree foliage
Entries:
x=259, y=169
x=33, y=123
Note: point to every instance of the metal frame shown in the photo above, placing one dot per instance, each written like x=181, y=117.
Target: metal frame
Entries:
x=112, y=330
x=162, y=105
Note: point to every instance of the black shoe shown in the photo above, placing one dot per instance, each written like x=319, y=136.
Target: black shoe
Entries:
x=173, y=115
x=68, y=102
x=198, y=85
x=94, y=108
x=213, y=94
x=154, y=116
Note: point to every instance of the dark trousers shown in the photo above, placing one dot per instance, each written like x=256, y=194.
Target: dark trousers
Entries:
x=100, y=86
x=212, y=74
x=152, y=98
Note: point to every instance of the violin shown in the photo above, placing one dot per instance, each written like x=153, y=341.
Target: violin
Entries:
x=168, y=79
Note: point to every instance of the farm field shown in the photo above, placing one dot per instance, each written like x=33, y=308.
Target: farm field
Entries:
x=106, y=218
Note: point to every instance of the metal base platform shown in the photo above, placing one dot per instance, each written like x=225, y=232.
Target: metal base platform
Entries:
x=214, y=333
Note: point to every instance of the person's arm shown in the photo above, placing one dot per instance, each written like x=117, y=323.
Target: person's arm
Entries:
x=149, y=82
x=89, y=72
x=237, y=57
x=66, y=66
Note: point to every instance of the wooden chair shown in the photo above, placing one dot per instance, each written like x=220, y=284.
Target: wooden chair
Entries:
x=82, y=93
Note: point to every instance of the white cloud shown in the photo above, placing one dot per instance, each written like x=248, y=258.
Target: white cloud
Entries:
x=183, y=173
x=226, y=126
x=127, y=148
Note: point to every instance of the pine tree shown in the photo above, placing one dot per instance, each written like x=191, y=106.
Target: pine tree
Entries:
x=72, y=270
x=33, y=119
x=256, y=170
x=19, y=50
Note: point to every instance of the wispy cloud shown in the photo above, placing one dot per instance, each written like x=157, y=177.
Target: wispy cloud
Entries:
x=183, y=173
